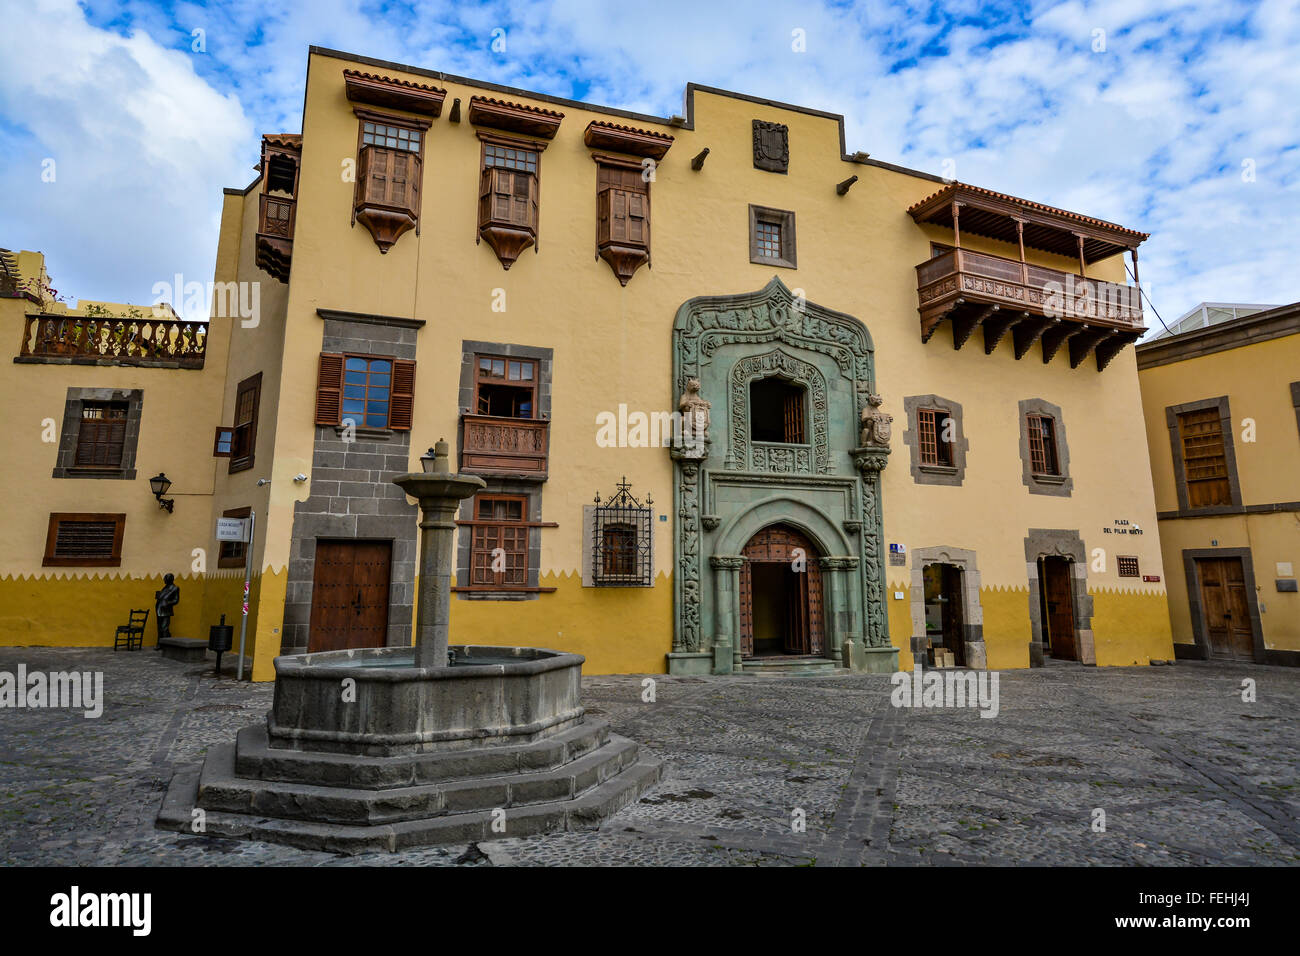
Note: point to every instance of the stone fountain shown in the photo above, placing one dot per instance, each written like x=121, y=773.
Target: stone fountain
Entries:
x=396, y=747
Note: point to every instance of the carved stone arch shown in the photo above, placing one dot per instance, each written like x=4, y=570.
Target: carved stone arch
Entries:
x=780, y=364
x=829, y=539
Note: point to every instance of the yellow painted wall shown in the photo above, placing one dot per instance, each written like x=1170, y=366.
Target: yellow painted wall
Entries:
x=613, y=345
x=83, y=606
x=1256, y=378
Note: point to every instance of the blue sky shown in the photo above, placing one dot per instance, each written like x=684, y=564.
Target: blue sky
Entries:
x=1178, y=118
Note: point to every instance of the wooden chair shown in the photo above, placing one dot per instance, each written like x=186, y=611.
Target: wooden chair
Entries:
x=131, y=634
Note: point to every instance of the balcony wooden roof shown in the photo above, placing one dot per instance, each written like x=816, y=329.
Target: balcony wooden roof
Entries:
x=993, y=214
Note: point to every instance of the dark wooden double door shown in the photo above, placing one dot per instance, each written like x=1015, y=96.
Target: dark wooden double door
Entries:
x=1225, y=604
x=1056, y=596
x=349, y=595
x=780, y=595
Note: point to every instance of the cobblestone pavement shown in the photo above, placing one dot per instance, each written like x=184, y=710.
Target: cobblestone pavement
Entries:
x=1186, y=772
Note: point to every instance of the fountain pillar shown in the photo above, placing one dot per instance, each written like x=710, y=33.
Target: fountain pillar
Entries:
x=440, y=493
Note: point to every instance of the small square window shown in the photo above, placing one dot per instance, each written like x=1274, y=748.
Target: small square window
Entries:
x=772, y=237
x=1128, y=566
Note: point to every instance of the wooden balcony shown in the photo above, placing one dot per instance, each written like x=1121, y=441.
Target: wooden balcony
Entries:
x=275, y=225
x=84, y=340
x=515, y=447
x=1034, y=304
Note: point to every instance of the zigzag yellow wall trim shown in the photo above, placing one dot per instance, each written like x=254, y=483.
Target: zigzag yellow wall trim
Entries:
x=1129, y=626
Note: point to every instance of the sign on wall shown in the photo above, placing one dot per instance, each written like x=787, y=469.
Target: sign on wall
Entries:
x=232, y=529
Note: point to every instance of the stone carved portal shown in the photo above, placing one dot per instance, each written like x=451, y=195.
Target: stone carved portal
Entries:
x=827, y=488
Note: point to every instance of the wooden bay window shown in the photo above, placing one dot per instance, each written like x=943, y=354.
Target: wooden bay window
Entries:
x=389, y=175
x=509, y=187
x=506, y=436
x=622, y=215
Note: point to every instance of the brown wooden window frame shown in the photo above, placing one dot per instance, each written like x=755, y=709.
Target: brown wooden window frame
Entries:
x=1126, y=565
x=783, y=220
x=54, y=560
x=331, y=388
x=930, y=425
x=794, y=413
x=480, y=551
x=87, y=444
x=233, y=554
x=1044, y=445
x=480, y=380
x=243, y=434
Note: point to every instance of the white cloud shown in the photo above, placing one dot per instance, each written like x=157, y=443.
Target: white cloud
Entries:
x=1150, y=133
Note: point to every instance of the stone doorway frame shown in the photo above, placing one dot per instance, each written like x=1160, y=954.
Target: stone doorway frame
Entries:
x=1059, y=543
x=972, y=610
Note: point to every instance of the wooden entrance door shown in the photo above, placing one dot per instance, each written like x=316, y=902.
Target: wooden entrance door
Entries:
x=954, y=629
x=803, y=625
x=1058, y=607
x=1226, y=607
x=349, y=595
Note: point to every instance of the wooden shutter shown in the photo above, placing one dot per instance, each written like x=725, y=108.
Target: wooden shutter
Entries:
x=84, y=540
x=329, y=389
x=1205, y=462
x=1037, y=452
x=401, y=403
x=374, y=174
x=404, y=180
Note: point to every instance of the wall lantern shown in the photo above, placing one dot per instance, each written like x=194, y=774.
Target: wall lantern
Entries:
x=159, y=484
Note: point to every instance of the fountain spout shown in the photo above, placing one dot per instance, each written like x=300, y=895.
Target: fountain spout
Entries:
x=439, y=492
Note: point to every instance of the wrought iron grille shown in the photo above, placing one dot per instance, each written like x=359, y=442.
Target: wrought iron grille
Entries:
x=621, y=540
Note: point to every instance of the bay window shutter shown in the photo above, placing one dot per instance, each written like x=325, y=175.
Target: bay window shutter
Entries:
x=329, y=390
x=401, y=404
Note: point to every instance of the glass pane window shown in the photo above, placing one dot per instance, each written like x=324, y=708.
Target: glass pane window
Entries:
x=502, y=157
x=768, y=239
x=367, y=385
x=392, y=137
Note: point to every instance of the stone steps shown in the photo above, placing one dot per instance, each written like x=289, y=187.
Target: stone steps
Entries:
x=585, y=811
x=221, y=790
x=255, y=758
x=787, y=666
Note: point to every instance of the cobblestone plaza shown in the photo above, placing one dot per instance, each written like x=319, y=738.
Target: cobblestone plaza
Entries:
x=1185, y=771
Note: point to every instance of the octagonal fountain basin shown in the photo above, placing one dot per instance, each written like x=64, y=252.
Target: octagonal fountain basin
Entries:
x=376, y=701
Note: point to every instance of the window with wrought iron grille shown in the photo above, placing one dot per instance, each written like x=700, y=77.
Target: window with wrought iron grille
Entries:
x=1127, y=565
x=621, y=545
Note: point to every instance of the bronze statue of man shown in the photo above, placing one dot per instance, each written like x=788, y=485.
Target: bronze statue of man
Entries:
x=164, y=601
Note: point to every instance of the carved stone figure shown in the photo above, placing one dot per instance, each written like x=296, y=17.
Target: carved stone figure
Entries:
x=876, y=425
x=164, y=600
x=694, y=409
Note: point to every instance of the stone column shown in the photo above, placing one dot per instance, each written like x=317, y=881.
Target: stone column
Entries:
x=437, y=525
x=836, y=584
x=726, y=636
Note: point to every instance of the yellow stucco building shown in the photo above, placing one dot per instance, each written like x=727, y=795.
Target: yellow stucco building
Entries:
x=1222, y=408
x=904, y=408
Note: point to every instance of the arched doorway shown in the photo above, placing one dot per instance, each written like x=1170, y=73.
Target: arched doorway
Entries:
x=781, y=595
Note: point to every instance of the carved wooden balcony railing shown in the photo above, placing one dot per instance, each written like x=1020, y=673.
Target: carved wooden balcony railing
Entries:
x=160, y=343
x=1033, y=303
x=275, y=225
x=504, y=446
